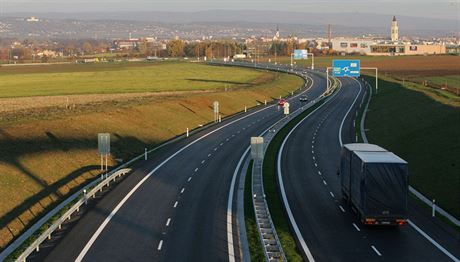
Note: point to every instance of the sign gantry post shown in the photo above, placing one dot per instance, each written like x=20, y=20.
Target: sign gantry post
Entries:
x=350, y=68
x=103, y=141
x=303, y=54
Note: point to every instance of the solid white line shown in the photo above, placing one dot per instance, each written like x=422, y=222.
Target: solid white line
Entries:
x=349, y=109
x=341, y=208
x=357, y=228
x=190, y=178
x=376, y=251
x=182, y=191
x=160, y=245
x=175, y=204
x=332, y=194
x=230, y=247
x=436, y=244
x=123, y=201
x=167, y=222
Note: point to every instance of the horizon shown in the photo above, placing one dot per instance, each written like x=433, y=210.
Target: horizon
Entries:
x=443, y=10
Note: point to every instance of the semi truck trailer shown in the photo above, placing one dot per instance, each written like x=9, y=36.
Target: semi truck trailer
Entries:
x=375, y=182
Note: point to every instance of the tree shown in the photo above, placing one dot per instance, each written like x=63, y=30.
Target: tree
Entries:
x=175, y=48
x=87, y=47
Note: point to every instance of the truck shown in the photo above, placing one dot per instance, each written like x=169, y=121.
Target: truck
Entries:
x=375, y=182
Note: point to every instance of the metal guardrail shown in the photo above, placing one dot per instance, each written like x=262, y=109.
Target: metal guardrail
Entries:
x=35, y=246
x=269, y=238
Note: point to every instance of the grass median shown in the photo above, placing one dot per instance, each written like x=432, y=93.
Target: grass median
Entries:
x=271, y=187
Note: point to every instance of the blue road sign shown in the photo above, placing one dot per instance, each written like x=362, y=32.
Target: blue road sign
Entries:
x=346, y=68
x=300, y=54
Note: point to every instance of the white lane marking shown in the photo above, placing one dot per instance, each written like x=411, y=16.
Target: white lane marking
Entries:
x=190, y=178
x=160, y=245
x=233, y=135
x=221, y=144
x=349, y=109
x=130, y=193
x=230, y=247
x=332, y=194
x=341, y=208
x=227, y=139
x=324, y=182
x=215, y=149
x=319, y=172
x=313, y=156
x=376, y=251
x=436, y=244
x=202, y=162
x=175, y=204
x=168, y=222
x=209, y=155
x=182, y=191
x=196, y=169
x=237, y=132
x=316, y=165
x=312, y=152
x=357, y=228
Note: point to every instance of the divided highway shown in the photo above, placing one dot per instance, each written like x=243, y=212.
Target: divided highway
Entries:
x=173, y=207
x=308, y=165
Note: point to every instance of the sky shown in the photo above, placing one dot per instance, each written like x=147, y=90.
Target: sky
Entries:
x=442, y=9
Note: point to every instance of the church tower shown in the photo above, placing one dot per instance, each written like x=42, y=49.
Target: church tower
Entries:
x=277, y=34
x=394, y=30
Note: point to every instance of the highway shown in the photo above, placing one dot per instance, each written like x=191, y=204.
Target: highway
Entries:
x=308, y=167
x=173, y=207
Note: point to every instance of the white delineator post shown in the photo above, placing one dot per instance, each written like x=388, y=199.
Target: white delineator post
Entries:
x=187, y=132
x=433, y=211
x=145, y=154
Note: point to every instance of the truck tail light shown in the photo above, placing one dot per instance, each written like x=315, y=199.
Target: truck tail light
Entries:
x=369, y=221
x=401, y=222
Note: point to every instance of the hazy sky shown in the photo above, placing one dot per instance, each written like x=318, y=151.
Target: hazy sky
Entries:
x=422, y=8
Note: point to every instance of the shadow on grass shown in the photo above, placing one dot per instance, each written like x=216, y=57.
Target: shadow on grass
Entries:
x=14, y=149
x=218, y=81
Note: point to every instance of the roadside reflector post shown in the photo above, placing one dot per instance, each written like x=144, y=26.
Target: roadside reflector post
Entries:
x=86, y=198
x=220, y=118
x=245, y=109
x=145, y=154
x=265, y=102
x=433, y=211
x=187, y=132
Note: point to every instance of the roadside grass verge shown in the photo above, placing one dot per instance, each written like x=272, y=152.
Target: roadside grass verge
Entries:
x=255, y=244
x=422, y=126
x=271, y=187
x=48, y=156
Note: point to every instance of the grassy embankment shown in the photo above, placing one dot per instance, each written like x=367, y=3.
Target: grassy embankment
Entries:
x=48, y=153
x=422, y=126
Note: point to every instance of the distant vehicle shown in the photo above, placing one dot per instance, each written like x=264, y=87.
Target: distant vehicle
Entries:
x=303, y=99
x=281, y=102
x=375, y=182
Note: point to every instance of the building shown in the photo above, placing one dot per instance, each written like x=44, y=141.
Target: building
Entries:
x=352, y=45
x=32, y=19
x=394, y=30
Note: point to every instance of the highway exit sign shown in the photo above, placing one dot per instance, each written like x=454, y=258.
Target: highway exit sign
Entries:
x=349, y=68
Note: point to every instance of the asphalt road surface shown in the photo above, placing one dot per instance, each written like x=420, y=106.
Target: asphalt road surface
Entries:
x=173, y=207
x=331, y=230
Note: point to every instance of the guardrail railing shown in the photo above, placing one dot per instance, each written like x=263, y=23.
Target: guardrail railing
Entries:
x=35, y=246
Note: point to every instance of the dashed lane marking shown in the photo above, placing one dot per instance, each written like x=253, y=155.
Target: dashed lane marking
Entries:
x=357, y=228
x=175, y=204
x=376, y=251
x=160, y=245
x=168, y=222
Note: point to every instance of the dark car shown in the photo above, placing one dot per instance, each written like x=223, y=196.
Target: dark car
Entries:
x=303, y=99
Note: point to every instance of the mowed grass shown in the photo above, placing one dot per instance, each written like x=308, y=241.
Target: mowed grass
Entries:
x=451, y=81
x=422, y=126
x=120, y=78
x=45, y=158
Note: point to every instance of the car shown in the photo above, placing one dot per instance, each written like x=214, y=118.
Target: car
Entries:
x=281, y=102
x=303, y=99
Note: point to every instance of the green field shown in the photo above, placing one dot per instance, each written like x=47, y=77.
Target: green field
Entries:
x=120, y=78
x=422, y=126
x=451, y=81
x=50, y=152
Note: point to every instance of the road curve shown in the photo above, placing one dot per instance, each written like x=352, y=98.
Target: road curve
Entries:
x=173, y=207
x=330, y=228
